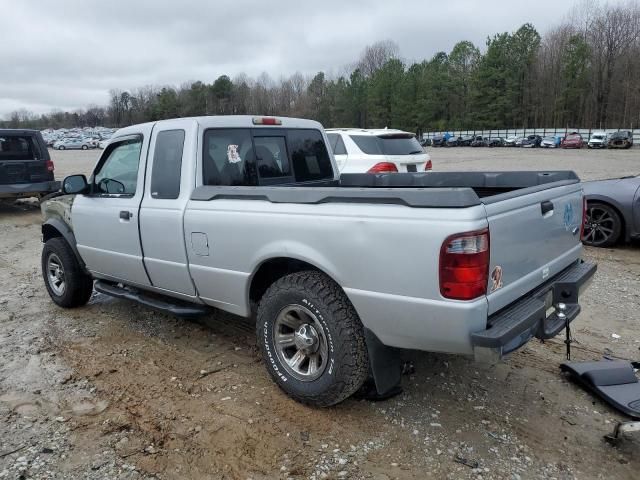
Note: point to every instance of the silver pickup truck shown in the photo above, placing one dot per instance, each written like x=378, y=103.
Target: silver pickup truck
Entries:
x=248, y=215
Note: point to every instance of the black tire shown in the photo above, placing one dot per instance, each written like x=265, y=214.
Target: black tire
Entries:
x=84, y=147
x=346, y=366
x=603, y=226
x=78, y=286
x=61, y=147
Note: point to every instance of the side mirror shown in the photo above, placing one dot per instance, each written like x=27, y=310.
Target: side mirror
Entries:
x=75, y=184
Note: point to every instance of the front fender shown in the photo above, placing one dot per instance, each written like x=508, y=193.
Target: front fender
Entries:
x=57, y=223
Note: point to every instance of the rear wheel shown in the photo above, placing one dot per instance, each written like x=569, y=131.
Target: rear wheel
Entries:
x=67, y=284
x=311, y=339
x=603, y=225
x=84, y=147
x=61, y=147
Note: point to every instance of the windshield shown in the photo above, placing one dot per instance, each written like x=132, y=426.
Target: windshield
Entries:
x=402, y=144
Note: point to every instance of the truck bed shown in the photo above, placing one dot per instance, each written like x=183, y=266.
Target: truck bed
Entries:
x=419, y=190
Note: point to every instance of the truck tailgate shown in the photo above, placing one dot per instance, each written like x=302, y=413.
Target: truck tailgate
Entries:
x=532, y=238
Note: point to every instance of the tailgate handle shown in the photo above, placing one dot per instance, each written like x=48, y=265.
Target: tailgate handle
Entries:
x=546, y=207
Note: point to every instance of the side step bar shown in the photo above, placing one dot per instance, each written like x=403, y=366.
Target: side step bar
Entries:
x=168, y=305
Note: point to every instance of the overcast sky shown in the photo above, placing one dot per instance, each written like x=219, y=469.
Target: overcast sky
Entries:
x=67, y=54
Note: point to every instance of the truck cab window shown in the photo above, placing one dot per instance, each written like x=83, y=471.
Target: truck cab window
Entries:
x=272, y=160
x=118, y=173
x=167, y=164
x=309, y=155
x=228, y=158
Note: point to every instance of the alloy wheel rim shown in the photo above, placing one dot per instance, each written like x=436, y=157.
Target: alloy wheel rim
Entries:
x=599, y=226
x=55, y=274
x=300, y=343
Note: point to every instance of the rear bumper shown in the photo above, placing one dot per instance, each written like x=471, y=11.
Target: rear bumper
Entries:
x=18, y=190
x=516, y=324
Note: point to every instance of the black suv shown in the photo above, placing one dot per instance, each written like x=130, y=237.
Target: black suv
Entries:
x=26, y=169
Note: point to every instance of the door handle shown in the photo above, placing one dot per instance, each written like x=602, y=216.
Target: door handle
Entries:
x=546, y=207
x=125, y=215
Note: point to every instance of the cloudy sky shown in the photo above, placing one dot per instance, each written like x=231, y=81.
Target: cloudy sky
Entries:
x=68, y=54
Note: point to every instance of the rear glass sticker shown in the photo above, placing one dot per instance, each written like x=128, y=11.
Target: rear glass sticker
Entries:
x=496, y=278
x=232, y=154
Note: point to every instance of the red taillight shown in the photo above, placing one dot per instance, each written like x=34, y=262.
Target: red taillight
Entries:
x=383, y=167
x=50, y=166
x=584, y=216
x=266, y=121
x=428, y=166
x=464, y=265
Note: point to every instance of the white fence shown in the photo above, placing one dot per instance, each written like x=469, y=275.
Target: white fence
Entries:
x=543, y=132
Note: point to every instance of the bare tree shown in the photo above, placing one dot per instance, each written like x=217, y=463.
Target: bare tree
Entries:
x=375, y=56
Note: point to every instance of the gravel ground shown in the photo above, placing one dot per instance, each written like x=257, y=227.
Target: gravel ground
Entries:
x=114, y=390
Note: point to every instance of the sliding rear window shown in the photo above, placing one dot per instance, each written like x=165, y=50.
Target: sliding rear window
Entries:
x=261, y=156
x=18, y=147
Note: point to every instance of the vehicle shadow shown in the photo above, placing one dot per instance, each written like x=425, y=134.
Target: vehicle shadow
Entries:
x=20, y=211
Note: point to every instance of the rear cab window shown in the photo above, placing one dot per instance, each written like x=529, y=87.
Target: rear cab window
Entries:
x=252, y=157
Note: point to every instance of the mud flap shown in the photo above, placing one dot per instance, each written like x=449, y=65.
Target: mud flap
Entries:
x=613, y=381
x=386, y=368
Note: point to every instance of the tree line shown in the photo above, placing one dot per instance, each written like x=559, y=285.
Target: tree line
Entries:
x=582, y=73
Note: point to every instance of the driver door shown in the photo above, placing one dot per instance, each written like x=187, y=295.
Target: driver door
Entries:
x=105, y=221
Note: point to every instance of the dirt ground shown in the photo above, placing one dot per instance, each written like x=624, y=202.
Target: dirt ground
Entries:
x=115, y=390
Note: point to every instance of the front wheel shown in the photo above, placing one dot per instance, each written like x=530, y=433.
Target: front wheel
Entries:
x=67, y=284
x=311, y=339
x=61, y=147
x=603, y=225
x=84, y=147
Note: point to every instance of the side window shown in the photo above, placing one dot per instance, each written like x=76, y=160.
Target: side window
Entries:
x=367, y=143
x=167, y=164
x=118, y=173
x=309, y=155
x=228, y=158
x=337, y=144
x=272, y=160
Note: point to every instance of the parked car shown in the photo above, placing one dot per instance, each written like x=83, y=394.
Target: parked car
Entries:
x=597, y=140
x=621, y=139
x=466, y=140
x=549, y=142
x=273, y=232
x=479, y=141
x=495, y=142
x=531, y=141
x=453, y=142
x=73, y=144
x=426, y=142
x=438, y=141
x=374, y=151
x=519, y=142
x=572, y=140
x=613, y=212
x=26, y=169
x=511, y=141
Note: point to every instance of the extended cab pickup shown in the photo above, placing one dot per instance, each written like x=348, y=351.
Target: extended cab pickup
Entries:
x=248, y=215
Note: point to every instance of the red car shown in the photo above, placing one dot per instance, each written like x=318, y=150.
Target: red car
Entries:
x=572, y=140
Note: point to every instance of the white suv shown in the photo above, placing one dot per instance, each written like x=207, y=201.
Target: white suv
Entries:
x=359, y=150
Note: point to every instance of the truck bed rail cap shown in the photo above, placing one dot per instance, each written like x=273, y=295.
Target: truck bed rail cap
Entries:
x=411, y=197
